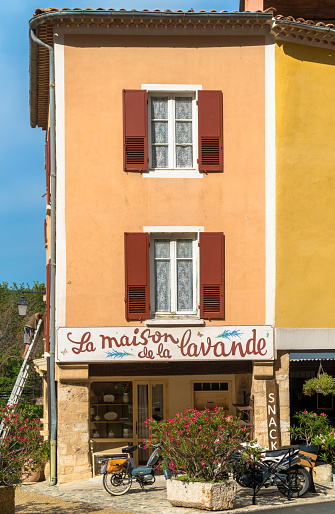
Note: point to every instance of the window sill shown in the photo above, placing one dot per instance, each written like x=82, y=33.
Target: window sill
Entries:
x=159, y=322
x=172, y=174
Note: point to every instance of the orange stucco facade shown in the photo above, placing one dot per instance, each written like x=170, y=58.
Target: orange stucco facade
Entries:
x=102, y=201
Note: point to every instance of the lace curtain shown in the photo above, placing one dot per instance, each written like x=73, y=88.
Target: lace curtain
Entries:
x=159, y=131
x=162, y=275
x=184, y=275
x=160, y=134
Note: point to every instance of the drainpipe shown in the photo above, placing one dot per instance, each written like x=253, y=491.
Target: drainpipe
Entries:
x=52, y=383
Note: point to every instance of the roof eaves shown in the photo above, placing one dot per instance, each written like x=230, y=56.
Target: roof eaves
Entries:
x=178, y=12
x=48, y=17
x=52, y=15
x=302, y=24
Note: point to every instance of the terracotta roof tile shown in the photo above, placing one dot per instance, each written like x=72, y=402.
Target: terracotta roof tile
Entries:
x=55, y=9
x=280, y=17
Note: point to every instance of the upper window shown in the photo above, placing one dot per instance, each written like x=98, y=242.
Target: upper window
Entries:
x=176, y=132
x=172, y=131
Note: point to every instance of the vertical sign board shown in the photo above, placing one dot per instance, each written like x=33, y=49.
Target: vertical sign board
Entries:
x=272, y=407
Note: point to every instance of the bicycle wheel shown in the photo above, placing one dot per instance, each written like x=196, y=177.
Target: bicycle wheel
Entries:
x=116, y=483
x=300, y=482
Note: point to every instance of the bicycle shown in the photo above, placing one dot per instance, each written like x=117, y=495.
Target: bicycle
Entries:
x=119, y=473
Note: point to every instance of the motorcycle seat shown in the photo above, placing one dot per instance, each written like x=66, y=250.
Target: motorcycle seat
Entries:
x=282, y=451
x=141, y=470
x=129, y=449
x=275, y=453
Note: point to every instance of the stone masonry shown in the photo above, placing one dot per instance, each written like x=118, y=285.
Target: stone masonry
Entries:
x=73, y=461
x=262, y=371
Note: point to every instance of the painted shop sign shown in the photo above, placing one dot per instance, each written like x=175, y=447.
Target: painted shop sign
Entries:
x=272, y=415
x=102, y=344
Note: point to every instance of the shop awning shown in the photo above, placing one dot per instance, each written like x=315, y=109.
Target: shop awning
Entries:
x=312, y=355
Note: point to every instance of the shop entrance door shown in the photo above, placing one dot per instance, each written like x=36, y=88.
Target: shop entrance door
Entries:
x=150, y=402
x=211, y=394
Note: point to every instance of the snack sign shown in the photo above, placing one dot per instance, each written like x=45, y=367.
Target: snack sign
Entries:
x=135, y=344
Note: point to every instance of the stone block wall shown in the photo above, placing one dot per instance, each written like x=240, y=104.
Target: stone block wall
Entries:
x=282, y=376
x=262, y=371
x=73, y=455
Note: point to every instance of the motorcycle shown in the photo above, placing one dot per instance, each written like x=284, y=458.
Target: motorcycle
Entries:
x=119, y=473
x=280, y=468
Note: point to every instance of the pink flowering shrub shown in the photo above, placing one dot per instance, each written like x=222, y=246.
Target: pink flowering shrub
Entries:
x=326, y=441
x=22, y=449
x=309, y=425
x=200, y=443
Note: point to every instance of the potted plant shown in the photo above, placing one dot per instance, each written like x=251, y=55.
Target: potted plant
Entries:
x=322, y=384
x=309, y=425
x=21, y=443
x=125, y=389
x=200, y=444
x=33, y=472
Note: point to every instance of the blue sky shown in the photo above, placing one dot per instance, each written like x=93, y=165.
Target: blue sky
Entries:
x=22, y=178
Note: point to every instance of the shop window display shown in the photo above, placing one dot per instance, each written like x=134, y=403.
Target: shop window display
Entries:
x=111, y=410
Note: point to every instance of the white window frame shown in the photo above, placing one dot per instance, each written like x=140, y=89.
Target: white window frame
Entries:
x=174, y=233
x=173, y=90
x=172, y=132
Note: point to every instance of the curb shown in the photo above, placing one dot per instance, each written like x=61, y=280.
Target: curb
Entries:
x=287, y=504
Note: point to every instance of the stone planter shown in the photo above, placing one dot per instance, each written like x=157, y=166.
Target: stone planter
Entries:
x=7, y=499
x=199, y=495
x=323, y=472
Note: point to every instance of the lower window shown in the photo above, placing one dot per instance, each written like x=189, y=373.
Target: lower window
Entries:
x=174, y=274
x=173, y=268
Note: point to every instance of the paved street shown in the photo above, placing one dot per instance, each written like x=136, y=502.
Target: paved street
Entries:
x=320, y=508
x=153, y=499
x=31, y=503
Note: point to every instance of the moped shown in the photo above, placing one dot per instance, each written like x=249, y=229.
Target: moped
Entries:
x=119, y=473
x=280, y=468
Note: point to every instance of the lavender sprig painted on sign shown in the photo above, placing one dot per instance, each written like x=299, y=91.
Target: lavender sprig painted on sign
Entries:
x=227, y=334
x=114, y=354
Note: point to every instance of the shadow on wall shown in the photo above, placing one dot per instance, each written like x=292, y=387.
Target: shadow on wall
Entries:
x=308, y=53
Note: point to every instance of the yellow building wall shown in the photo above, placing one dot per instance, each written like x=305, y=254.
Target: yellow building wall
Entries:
x=305, y=210
x=103, y=202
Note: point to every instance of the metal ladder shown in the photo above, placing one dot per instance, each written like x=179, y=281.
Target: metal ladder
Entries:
x=22, y=378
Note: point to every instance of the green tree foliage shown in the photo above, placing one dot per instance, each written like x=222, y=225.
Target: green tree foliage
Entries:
x=11, y=330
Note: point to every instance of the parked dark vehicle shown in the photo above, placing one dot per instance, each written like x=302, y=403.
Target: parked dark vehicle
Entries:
x=280, y=468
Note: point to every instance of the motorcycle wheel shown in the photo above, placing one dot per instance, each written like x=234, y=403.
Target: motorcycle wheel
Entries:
x=116, y=483
x=300, y=482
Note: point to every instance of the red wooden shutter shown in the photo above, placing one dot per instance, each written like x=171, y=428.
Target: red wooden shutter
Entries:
x=45, y=234
x=47, y=309
x=135, y=130
x=137, y=275
x=210, y=131
x=212, y=275
x=47, y=168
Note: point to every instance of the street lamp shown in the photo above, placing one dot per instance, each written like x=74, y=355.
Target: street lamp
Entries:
x=22, y=306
